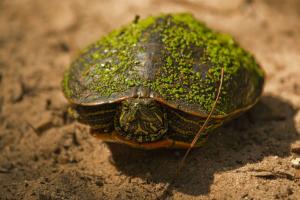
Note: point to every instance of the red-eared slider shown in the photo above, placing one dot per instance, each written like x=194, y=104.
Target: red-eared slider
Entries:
x=152, y=83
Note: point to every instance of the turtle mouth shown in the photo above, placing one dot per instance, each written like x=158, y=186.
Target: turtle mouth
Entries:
x=141, y=131
x=141, y=120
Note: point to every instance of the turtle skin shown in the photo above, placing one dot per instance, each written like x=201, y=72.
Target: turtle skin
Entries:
x=173, y=59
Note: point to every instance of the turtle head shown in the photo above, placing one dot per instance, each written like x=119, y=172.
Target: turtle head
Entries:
x=142, y=120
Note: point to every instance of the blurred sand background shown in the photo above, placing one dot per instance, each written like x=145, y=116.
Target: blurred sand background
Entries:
x=45, y=155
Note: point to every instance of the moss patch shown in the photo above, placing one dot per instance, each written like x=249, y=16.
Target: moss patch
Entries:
x=189, y=70
x=65, y=84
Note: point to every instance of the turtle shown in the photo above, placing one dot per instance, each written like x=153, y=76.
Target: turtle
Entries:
x=152, y=83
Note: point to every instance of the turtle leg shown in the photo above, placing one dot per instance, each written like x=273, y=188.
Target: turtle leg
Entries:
x=73, y=113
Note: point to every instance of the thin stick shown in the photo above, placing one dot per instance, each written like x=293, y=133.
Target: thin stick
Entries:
x=166, y=193
x=181, y=164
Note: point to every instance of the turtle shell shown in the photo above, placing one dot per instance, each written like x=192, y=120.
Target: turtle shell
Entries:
x=172, y=58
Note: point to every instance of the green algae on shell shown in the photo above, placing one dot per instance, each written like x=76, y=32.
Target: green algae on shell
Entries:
x=174, y=56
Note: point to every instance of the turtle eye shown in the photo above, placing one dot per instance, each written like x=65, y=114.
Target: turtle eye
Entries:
x=125, y=106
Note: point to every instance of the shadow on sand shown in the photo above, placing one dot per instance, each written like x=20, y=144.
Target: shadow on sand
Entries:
x=266, y=130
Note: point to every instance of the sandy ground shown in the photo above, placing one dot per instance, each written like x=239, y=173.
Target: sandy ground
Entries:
x=45, y=155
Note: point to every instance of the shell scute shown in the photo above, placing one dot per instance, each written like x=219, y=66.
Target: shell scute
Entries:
x=174, y=57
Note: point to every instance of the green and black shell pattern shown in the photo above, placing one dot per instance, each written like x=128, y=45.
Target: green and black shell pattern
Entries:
x=177, y=58
x=172, y=58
